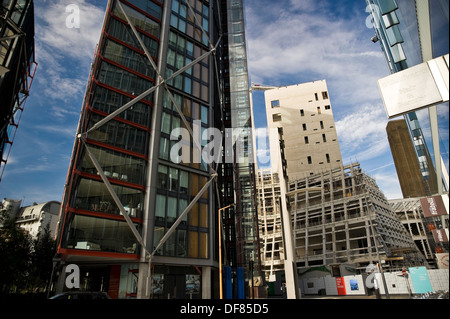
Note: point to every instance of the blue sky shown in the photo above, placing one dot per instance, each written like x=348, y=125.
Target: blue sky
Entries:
x=289, y=42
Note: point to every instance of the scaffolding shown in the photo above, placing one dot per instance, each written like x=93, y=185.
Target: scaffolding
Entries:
x=410, y=212
x=348, y=221
x=338, y=217
x=269, y=193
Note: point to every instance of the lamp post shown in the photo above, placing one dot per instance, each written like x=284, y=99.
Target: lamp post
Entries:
x=220, y=248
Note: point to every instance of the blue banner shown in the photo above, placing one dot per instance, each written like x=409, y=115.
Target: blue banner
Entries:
x=420, y=280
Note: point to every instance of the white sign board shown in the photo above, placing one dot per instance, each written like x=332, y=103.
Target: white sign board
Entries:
x=415, y=88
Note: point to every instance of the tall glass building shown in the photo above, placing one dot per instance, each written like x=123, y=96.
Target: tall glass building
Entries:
x=241, y=228
x=139, y=214
x=397, y=24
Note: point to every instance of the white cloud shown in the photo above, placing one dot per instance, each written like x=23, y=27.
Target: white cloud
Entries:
x=65, y=54
x=308, y=41
x=304, y=43
x=304, y=5
x=262, y=147
x=41, y=164
x=388, y=183
x=60, y=85
x=362, y=133
x=68, y=131
x=77, y=43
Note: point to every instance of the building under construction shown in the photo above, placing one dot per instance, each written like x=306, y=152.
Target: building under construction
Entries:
x=339, y=217
x=269, y=193
x=425, y=229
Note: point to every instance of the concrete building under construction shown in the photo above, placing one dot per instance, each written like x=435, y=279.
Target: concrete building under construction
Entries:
x=269, y=221
x=331, y=215
x=429, y=231
x=341, y=216
x=338, y=217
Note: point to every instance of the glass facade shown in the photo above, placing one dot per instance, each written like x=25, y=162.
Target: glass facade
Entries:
x=241, y=228
x=17, y=68
x=120, y=72
x=396, y=26
x=138, y=150
x=181, y=175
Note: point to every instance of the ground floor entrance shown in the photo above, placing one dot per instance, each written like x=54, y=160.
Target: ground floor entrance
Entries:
x=121, y=281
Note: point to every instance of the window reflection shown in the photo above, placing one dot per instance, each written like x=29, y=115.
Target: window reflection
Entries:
x=119, y=31
x=94, y=196
x=148, y=6
x=122, y=80
x=90, y=233
x=128, y=58
x=115, y=165
x=138, y=19
x=191, y=236
x=119, y=135
x=108, y=101
x=439, y=10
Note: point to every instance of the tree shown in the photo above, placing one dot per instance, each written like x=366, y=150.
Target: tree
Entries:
x=15, y=248
x=44, y=248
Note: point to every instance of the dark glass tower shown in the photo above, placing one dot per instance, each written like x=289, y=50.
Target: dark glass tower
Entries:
x=139, y=213
x=241, y=221
x=17, y=68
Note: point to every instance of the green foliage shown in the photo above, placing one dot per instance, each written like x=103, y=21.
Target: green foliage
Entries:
x=44, y=248
x=25, y=264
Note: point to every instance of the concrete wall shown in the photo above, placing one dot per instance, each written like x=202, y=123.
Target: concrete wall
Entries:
x=330, y=284
x=439, y=279
x=355, y=290
x=396, y=283
x=299, y=105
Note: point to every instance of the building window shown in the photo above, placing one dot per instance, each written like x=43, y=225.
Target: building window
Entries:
x=302, y=112
x=327, y=107
x=319, y=111
x=309, y=160
x=304, y=127
x=148, y=6
x=324, y=137
x=122, y=80
x=275, y=103
x=93, y=196
x=325, y=95
x=276, y=117
x=328, y=158
x=99, y=234
x=306, y=140
x=109, y=101
x=204, y=115
x=116, y=165
x=321, y=125
x=162, y=177
x=128, y=58
x=317, y=96
x=141, y=21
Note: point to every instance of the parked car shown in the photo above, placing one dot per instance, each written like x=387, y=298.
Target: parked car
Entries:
x=81, y=295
